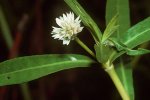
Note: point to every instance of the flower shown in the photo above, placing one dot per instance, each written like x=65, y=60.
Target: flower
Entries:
x=68, y=28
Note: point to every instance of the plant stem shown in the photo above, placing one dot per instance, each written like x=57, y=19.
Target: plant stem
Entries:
x=85, y=47
x=25, y=91
x=113, y=75
x=5, y=29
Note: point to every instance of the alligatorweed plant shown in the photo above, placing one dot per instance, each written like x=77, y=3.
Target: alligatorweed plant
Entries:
x=117, y=39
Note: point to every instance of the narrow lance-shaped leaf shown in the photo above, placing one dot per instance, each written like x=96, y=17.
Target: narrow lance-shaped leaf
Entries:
x=138, y=34
x=126, y=76
x=139, y=51
x=24, y=69
x=110, y=29
x=122, y=47
x=86, y=19
x=104, y=48
x=135, y=36
x=122, y=8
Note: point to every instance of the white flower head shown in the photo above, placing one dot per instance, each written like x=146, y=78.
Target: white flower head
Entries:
x=68, y=28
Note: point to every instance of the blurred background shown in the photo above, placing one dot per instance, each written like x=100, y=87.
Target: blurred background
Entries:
x=25, y=27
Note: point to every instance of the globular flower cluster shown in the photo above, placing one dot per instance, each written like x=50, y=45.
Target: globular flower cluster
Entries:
x=68, y=28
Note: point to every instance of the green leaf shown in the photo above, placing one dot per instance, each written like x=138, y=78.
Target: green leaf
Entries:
x=120, y=7
x=110, y=29
x=135, y=36
x=24, y=69
x=138, y=34
x=86, y=19
x=139, y=51
x=125, y=74
x=103, y=52
x=122, y=47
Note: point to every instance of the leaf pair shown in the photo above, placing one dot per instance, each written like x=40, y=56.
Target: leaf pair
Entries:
x=104, y=47
x=25, y=69
x=133, y=37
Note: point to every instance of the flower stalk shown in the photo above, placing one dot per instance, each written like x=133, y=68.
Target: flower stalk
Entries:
x=113, y=75
x=69, y=27
x=84, y=47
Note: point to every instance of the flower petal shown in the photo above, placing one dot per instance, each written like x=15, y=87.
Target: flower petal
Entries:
x=59, y=22
x=68, y=28
x=66, y=42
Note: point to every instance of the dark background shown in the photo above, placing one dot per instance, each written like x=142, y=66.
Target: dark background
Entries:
x=30, y=22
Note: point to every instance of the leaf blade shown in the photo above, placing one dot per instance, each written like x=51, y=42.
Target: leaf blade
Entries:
x=86, y=19
x=122, y=8
x=139, y=51
x=138, y=34
x=126, y=76
x=111, y=28
x=33, y=67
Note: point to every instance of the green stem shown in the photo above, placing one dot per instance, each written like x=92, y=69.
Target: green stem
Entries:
x=85, y=47
x=5, y=29
x=113, y=75
x=25, y=91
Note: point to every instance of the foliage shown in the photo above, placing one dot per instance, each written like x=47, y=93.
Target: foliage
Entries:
x=24, y=69
x=118, y=38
